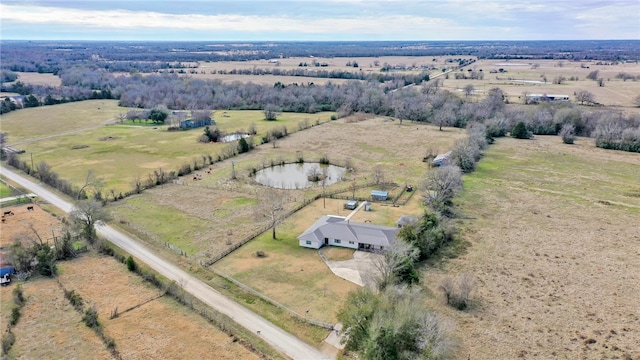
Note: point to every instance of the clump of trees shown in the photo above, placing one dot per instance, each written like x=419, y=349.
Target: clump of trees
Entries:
x=520, y=131
x=394, y=324
x=618, y=133
x=568, y=133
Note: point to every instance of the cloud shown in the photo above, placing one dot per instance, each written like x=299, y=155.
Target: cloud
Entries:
x=126, y=19
x=329, y=20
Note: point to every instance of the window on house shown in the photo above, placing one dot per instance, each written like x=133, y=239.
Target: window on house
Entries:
x=351, y=242
x=337, y=241
x=308, y=242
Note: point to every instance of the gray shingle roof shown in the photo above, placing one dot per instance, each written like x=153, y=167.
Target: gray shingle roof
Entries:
x=335, y=227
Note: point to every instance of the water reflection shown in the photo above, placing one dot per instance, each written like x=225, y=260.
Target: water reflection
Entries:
x=297, y=176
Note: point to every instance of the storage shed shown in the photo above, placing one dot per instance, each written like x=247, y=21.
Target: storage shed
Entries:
x=379, y=195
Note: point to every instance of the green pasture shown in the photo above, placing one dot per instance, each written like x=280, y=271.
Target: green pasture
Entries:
x=120, y=153
x=583, y=174
x=43, y=121
x=168, y=224
x=5, y=190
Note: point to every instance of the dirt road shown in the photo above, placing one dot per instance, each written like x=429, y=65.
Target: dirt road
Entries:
x=276, y=337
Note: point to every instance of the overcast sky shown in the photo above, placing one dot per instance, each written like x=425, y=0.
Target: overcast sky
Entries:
x=202, y=20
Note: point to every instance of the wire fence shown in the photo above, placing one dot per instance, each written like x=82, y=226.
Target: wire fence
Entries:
x=273, y=302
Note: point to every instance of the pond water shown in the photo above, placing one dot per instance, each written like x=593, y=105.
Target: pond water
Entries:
x=295, y=176
x=233, y=137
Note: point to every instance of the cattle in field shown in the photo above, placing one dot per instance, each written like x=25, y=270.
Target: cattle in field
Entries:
x=8, y=213
x=29, y=208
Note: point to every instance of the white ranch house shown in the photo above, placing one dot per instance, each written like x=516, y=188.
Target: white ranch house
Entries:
x=338, y=231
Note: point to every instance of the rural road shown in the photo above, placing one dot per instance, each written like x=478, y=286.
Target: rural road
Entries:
x=276, y=337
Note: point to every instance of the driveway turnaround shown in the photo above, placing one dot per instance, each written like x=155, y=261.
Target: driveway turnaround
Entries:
x=272, y=334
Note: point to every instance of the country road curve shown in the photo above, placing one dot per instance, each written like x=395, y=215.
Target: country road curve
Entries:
x=272, y=334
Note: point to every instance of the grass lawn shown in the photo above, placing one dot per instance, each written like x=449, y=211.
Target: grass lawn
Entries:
x=553, y=242
x=119, y=153
x=291, y=275
x=43, y=121
x=5, y=190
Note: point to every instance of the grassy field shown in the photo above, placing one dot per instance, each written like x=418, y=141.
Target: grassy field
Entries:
x=119, y=153
x=50, y=328
x=45, y=121
x=615, y=92
x=34, y=78
x=203, y=217
x=553, y=244
x=5, y=190
x=158, y=328
x=206, y=215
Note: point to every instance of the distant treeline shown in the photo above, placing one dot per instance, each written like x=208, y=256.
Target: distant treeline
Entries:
x=52, y=57
x=331, y=74
x=425, y=102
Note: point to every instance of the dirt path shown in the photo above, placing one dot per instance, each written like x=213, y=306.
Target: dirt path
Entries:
x=278, y=338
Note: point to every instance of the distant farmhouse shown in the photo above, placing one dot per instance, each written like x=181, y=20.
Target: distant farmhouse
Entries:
x=442, y=159
x=192, y=124
x=337, y=231
x=536, y=98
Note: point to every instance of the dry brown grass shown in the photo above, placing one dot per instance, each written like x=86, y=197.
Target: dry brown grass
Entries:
x=616, y=92
x=34, y=78
x=158, y=329
x=201, y=217
x=554, y=245
x=15, y=226
x=50, y=328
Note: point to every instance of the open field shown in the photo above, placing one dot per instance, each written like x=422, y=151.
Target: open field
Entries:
x=203, y=217
x=200, y=217
x=5, y=190
x=20, y=225
x=50, y=328
x=34, y=78
x=366, y=64
x=554, y=246
x=269, y=79
x=44, y=121
x=160, y=328
x=119, y=153
x=616, y=92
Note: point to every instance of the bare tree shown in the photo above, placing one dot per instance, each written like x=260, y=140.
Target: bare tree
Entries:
x=458, y=292
x=90, y=181
x=584, y=96
x=314, y=174
x=468, y=90
x=442, y=183
x=397, y=262
x=378, y=174
x=86, y=215
x=568, y=133
x=272, y=208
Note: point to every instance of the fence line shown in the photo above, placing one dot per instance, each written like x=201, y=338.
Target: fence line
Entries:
x=273, y=302
x=332, y=194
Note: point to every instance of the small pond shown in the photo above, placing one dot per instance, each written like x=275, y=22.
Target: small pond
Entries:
x=296, y=176
x=233, y=137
